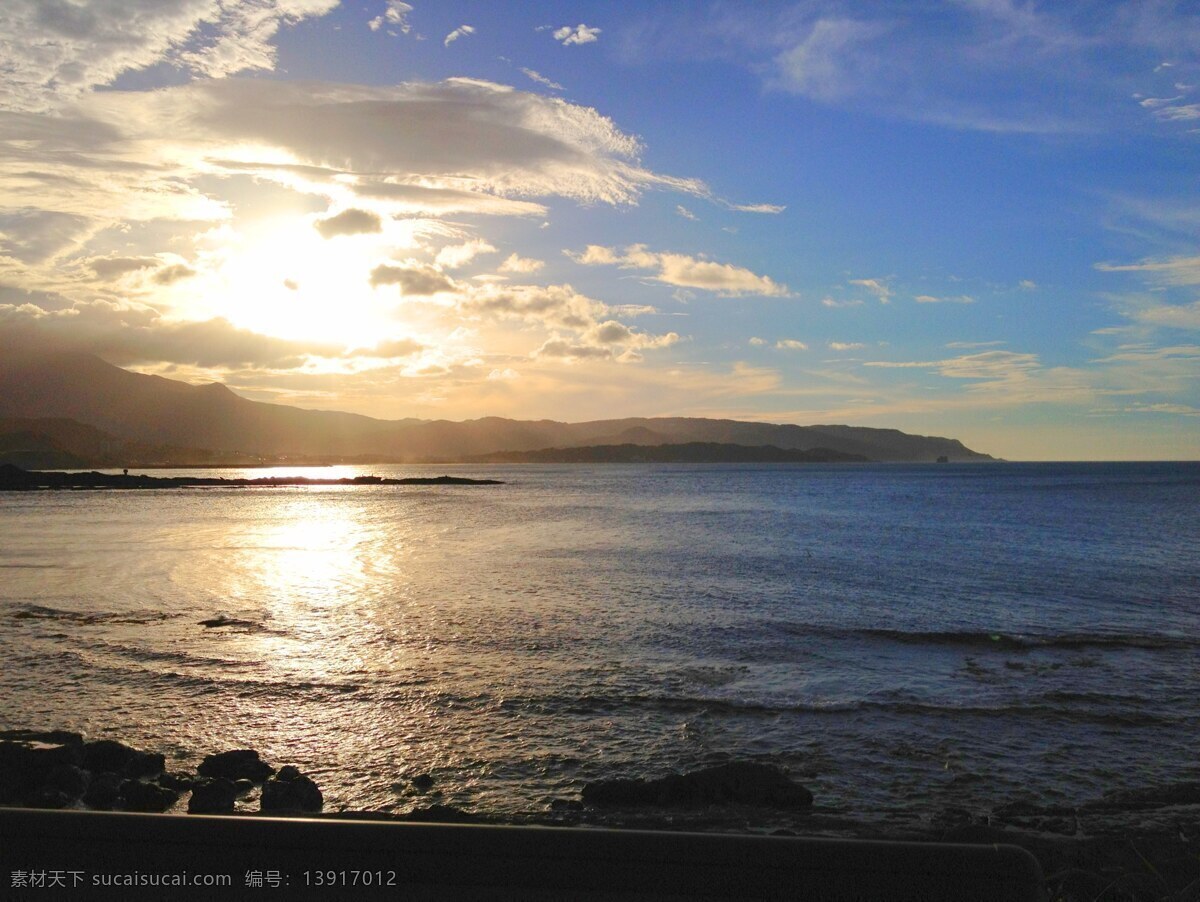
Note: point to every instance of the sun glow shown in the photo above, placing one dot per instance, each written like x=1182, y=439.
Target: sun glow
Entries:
x=280, y=277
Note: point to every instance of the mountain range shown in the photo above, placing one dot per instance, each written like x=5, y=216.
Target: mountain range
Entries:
x=74, y=409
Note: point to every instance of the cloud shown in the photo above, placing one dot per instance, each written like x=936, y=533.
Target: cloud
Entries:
x=128, y=334
x=409, y=199
x=395, y=16
x=833, y=60
x=461, y=31
x=1174, y=316
x=456, y=255
x=580, y=34
x=567, y=350
x=681, y=210
x=458, y=134
x=34, y=236
x=542, y=80
x=990, y=368
x=110, y=268
x=1168, y=271
x=754, y=208
x=349, y=222
x=413, y=279
x=551, y=305
x=399, y=347
x=169, y=275
x=56, y=50
x=930, y=299
x=846, y=345
x=517, y=264
x=789, y=344
x=877, y=287
x=834, y=303
x=681, y=270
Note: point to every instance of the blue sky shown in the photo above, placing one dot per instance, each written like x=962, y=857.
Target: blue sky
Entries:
x=975, y=219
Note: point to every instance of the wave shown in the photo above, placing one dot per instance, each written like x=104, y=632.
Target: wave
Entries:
x=1000, y=641
x=1041, y=709
x=38, y=612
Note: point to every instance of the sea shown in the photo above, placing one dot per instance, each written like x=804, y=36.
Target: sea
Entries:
x=903, y=639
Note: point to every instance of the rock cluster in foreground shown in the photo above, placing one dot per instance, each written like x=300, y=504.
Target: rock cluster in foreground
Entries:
x=58, y=769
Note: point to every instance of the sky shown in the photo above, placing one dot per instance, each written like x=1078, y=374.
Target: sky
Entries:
x=972, y=218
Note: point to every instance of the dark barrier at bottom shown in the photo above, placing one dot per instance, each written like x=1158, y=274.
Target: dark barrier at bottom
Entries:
x=92, y=855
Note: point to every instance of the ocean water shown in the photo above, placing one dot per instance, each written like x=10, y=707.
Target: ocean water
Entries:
x=901, y=638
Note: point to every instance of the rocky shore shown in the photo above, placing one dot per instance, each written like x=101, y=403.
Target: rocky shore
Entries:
x=1090, y=852
x=15, y=479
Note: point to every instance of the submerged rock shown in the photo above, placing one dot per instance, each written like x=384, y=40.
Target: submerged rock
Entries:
x=239, y=764
x=291, y=790
x=736, y=783
x=440, y=814
x=215, y=796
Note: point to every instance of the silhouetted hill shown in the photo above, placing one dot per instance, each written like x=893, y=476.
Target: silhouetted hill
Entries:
x=689, y=452
x=210, y=423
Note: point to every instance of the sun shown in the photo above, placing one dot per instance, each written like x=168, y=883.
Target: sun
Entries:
x=279, y=277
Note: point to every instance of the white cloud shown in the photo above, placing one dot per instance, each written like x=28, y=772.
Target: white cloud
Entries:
x=461, y=31
x=1168, y=271
x=580, y=34
x=55, y=50
x=1174, y=316
x=542, y=80
x=517, y=264
x=834, y=60
x=835, y=303
x=684, y=271
x=349, y=222
x=930, y=299
x=681, y=210
x=455, y=255
x=757, y=342
x=877, y=287
x=846, y=345
x=790, y=344
x=395, y=16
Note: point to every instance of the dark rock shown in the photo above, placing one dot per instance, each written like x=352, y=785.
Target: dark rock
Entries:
x=107, y=756
x=566, y=805
x=239, y=764
x=103, y=791
x=440, y=814
x=215, y=796
x=177, y=781
x=422, y=782
x=244, y=786
x=50, y=737
x=291, y=790
x=25, y=765
x=139, y=796
x=1148, y=797
x=145, y=764
x=68, y=779
x=736, y=783
x=46, y=797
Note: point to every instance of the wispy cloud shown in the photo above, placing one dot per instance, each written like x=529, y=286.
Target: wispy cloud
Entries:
x=460, y=32
x=534, y=75
x=877, y=287
x=957, y=299
x=684, y=271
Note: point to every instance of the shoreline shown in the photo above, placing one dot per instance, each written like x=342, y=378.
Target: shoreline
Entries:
x=14, y=479
x=1137, y=845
